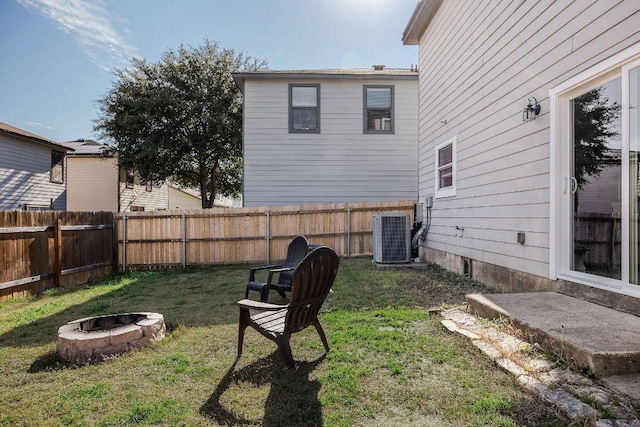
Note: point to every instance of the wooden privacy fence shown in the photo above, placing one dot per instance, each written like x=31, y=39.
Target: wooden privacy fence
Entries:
x=39, y=250
x=245, y=235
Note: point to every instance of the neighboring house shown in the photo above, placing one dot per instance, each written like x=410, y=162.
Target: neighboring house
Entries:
x=517, y=203
x=32, y=175
x=92, y=179
x=329, y=136
x=96, y=183
x=183, y=198
x=188, y=198
x=137, y=195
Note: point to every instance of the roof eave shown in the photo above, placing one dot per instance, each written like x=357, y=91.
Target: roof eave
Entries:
x=419, y=21
x=240, y=77
x=38, y=140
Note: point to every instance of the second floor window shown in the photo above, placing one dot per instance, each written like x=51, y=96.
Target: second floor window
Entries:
x=130, y=178
x=304, y=108
x=378, y=109
x=57, y=167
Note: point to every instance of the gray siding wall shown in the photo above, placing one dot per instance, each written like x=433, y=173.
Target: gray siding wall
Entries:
x=479, y=62
x=25, y=175
x=341, y=163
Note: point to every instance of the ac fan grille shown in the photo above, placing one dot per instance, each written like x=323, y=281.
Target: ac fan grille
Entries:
x=391, y=238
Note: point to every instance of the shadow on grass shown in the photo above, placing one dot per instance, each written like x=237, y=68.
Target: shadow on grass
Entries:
x=193, y=297
x=292, y=400
x=50, y=361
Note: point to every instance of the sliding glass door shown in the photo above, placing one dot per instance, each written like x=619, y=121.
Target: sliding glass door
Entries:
x=634, y=173
x=595, y=183
x=597, y=153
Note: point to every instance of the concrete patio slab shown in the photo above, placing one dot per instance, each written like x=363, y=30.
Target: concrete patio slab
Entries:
x=587, y=335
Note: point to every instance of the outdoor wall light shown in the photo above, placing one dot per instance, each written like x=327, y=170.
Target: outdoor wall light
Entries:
x=531, y=111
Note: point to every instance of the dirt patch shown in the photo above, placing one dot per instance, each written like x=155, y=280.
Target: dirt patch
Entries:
x=433, y=286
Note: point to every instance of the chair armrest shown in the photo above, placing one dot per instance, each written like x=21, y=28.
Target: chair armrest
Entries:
x=277, y=270
x=252, y=271
x=257, y=305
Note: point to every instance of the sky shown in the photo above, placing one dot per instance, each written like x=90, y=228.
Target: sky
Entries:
x=58, y=56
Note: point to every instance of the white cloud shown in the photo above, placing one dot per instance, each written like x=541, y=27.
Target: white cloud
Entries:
x=90, y=24
x=39, y=125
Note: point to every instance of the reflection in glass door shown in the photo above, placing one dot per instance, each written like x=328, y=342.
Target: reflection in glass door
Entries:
x=596, y=179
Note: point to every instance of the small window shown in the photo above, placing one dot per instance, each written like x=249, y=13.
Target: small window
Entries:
x=149, y=186
x=130, y=177
x=378, y=109
x=446, y=168
x=137, y=208
x=57, y=167
x=304, y=108
x=37, y=208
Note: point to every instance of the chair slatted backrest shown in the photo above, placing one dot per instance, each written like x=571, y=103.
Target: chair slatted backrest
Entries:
x=312, y=281
x=296, y=252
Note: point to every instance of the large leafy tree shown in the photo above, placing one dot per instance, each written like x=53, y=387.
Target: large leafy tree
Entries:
x=180, y=118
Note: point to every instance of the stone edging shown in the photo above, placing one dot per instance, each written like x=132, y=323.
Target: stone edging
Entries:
x=557, y=386
x=83, y=347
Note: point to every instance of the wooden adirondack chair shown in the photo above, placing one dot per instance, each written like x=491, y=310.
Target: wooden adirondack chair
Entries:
x=312, y=281
x=296, y=252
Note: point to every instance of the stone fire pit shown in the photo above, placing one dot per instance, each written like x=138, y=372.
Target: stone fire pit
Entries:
x=93, y=339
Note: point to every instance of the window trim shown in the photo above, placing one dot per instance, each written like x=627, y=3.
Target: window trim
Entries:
x=291, y=107
x=365, y=111
x=60, y=164
x=447, y=191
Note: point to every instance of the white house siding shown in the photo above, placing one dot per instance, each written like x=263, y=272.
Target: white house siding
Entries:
x=341, y=163
x=92, y=184
x=178, y=199
x=157, y=199
x=25, y=179
x=479, y=62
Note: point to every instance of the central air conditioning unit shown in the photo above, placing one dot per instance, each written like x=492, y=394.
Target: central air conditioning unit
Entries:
x=391, y=238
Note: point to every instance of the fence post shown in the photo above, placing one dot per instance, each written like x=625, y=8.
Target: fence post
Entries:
x=114, y=242
x=268, y=237
x=124, y=243
x=184, y=240
x=57, y=262
x=348, y=230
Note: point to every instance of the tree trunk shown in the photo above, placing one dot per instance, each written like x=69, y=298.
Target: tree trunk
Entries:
x=213, y=183
x=207, y=202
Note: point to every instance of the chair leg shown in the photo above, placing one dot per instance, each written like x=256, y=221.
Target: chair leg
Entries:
x=242, y=326
x=282, y=294
x=285, y=350
x=264, y=294
x=323, y=337
x=246, y=293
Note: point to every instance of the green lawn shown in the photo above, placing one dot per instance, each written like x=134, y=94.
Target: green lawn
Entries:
x=391, y=362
